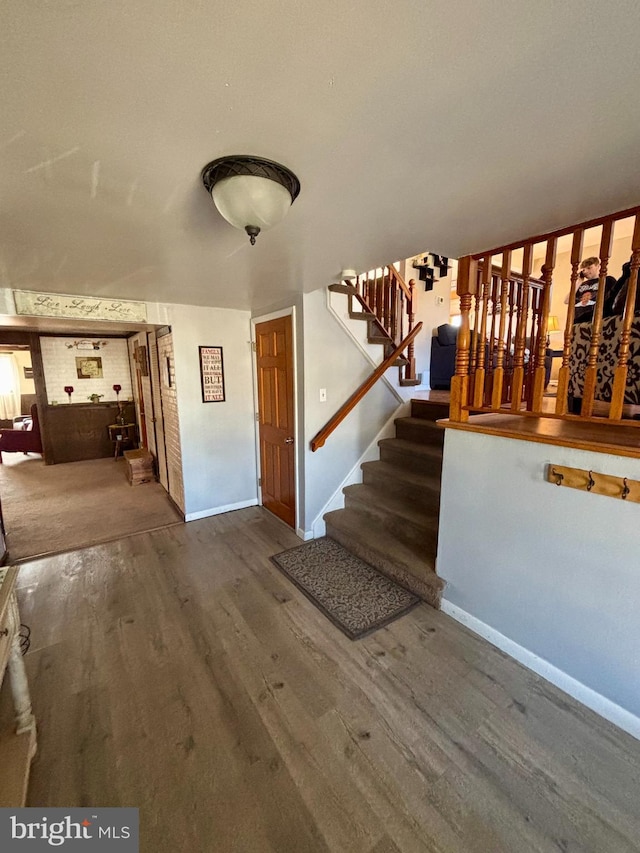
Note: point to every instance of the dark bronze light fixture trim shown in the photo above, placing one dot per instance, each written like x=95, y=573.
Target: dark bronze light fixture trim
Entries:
x=240, y=165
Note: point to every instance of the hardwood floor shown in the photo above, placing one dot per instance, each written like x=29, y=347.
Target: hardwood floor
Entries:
x=180, y=672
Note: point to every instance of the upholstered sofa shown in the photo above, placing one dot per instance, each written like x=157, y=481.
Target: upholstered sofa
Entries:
x=26, y=439
x=443, y=358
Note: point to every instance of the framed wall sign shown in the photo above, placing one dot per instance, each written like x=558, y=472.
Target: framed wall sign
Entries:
x=88, y=367
x=212, y=374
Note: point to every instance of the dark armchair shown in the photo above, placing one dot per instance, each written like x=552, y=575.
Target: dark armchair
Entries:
x=25, y=440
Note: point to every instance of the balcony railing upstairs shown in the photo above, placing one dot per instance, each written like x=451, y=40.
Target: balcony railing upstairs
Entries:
x=503, y=355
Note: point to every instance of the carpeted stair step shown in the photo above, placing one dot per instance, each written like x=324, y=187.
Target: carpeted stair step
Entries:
x=429, y=410
x=408, y=454
x=406, y=522
x=420, y=488
x=419, y=431
x=409, y=566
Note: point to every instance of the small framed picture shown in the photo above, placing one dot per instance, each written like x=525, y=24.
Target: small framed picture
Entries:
x=89, y=367
x=212, y=374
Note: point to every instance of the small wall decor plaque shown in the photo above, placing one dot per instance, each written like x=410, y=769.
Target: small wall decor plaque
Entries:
x=89, y=367
x=212, y=374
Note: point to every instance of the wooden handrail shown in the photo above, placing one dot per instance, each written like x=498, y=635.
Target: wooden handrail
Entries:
x=319, y=439
x=561, y=232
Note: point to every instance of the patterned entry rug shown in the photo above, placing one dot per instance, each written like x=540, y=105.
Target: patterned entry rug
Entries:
x=351, y=593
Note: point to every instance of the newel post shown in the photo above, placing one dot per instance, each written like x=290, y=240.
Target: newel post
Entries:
x=466, y=288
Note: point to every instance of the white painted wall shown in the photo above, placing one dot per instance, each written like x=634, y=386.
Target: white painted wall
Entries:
x=555, y=571
x=217, y=439
x=60, y=362
x=332, y=361
x=430, y=312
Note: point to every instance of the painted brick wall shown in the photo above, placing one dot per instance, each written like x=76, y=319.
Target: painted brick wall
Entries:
x=171, y=420
x=59, y=362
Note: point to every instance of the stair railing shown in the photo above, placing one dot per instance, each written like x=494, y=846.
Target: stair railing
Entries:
x=389, y=303
x=503, y=340
x=319, y=439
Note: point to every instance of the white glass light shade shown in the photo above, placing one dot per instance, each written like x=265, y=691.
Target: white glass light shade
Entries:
x=249, y=200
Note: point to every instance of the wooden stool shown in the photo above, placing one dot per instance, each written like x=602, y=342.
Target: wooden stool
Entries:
x=139, y=466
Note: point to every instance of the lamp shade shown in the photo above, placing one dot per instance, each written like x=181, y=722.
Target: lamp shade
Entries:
x=251, y=193
x=553, y=324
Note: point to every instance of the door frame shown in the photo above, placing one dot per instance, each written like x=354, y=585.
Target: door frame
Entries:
x=299, y=450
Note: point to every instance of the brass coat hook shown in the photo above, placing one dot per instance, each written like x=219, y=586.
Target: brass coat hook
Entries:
x=625, y=490
x=591, y=483
x=559, y=477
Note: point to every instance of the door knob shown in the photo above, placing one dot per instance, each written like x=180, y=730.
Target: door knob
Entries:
x=288, y=441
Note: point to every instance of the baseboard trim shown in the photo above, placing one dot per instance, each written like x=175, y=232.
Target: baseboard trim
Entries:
x=595, y=701
x=218, y=510
x=305, y=535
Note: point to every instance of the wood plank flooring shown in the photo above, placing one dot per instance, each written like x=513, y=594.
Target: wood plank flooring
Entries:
x=180, y=672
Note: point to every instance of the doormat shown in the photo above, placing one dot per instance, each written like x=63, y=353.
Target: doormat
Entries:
x=357, y=598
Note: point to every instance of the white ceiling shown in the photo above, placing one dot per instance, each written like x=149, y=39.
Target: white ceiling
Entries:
x=412, y=126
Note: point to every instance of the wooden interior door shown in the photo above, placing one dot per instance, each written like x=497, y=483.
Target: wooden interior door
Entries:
x=274, y=356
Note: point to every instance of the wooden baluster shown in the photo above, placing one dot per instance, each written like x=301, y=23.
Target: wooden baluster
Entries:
x=591, y=371
x=521, y=331
x=473, y=363
x=509, y=350
x=563, y=373
x=386, y=293
x=379, y=310
x=393, y=331
x=498, y=373
x=620, y=375
x=410, y=368
x=479, y=378
x=541, y=339
x=466, y=287
x=491, y=344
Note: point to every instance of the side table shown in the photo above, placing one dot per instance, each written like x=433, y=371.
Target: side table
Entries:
x=122, y=436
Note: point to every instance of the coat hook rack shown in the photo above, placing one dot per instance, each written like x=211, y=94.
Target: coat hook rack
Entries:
x=590, y=481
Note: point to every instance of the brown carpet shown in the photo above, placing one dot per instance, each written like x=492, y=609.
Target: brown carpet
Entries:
x=52, y=508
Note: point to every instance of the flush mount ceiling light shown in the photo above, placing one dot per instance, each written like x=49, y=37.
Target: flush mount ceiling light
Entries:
x=251, y=193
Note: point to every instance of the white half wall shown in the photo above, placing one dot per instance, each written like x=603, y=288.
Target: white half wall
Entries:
x=217, y=439
x=553, y=570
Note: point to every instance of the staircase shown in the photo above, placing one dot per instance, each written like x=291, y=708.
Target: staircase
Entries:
x=390, y=520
